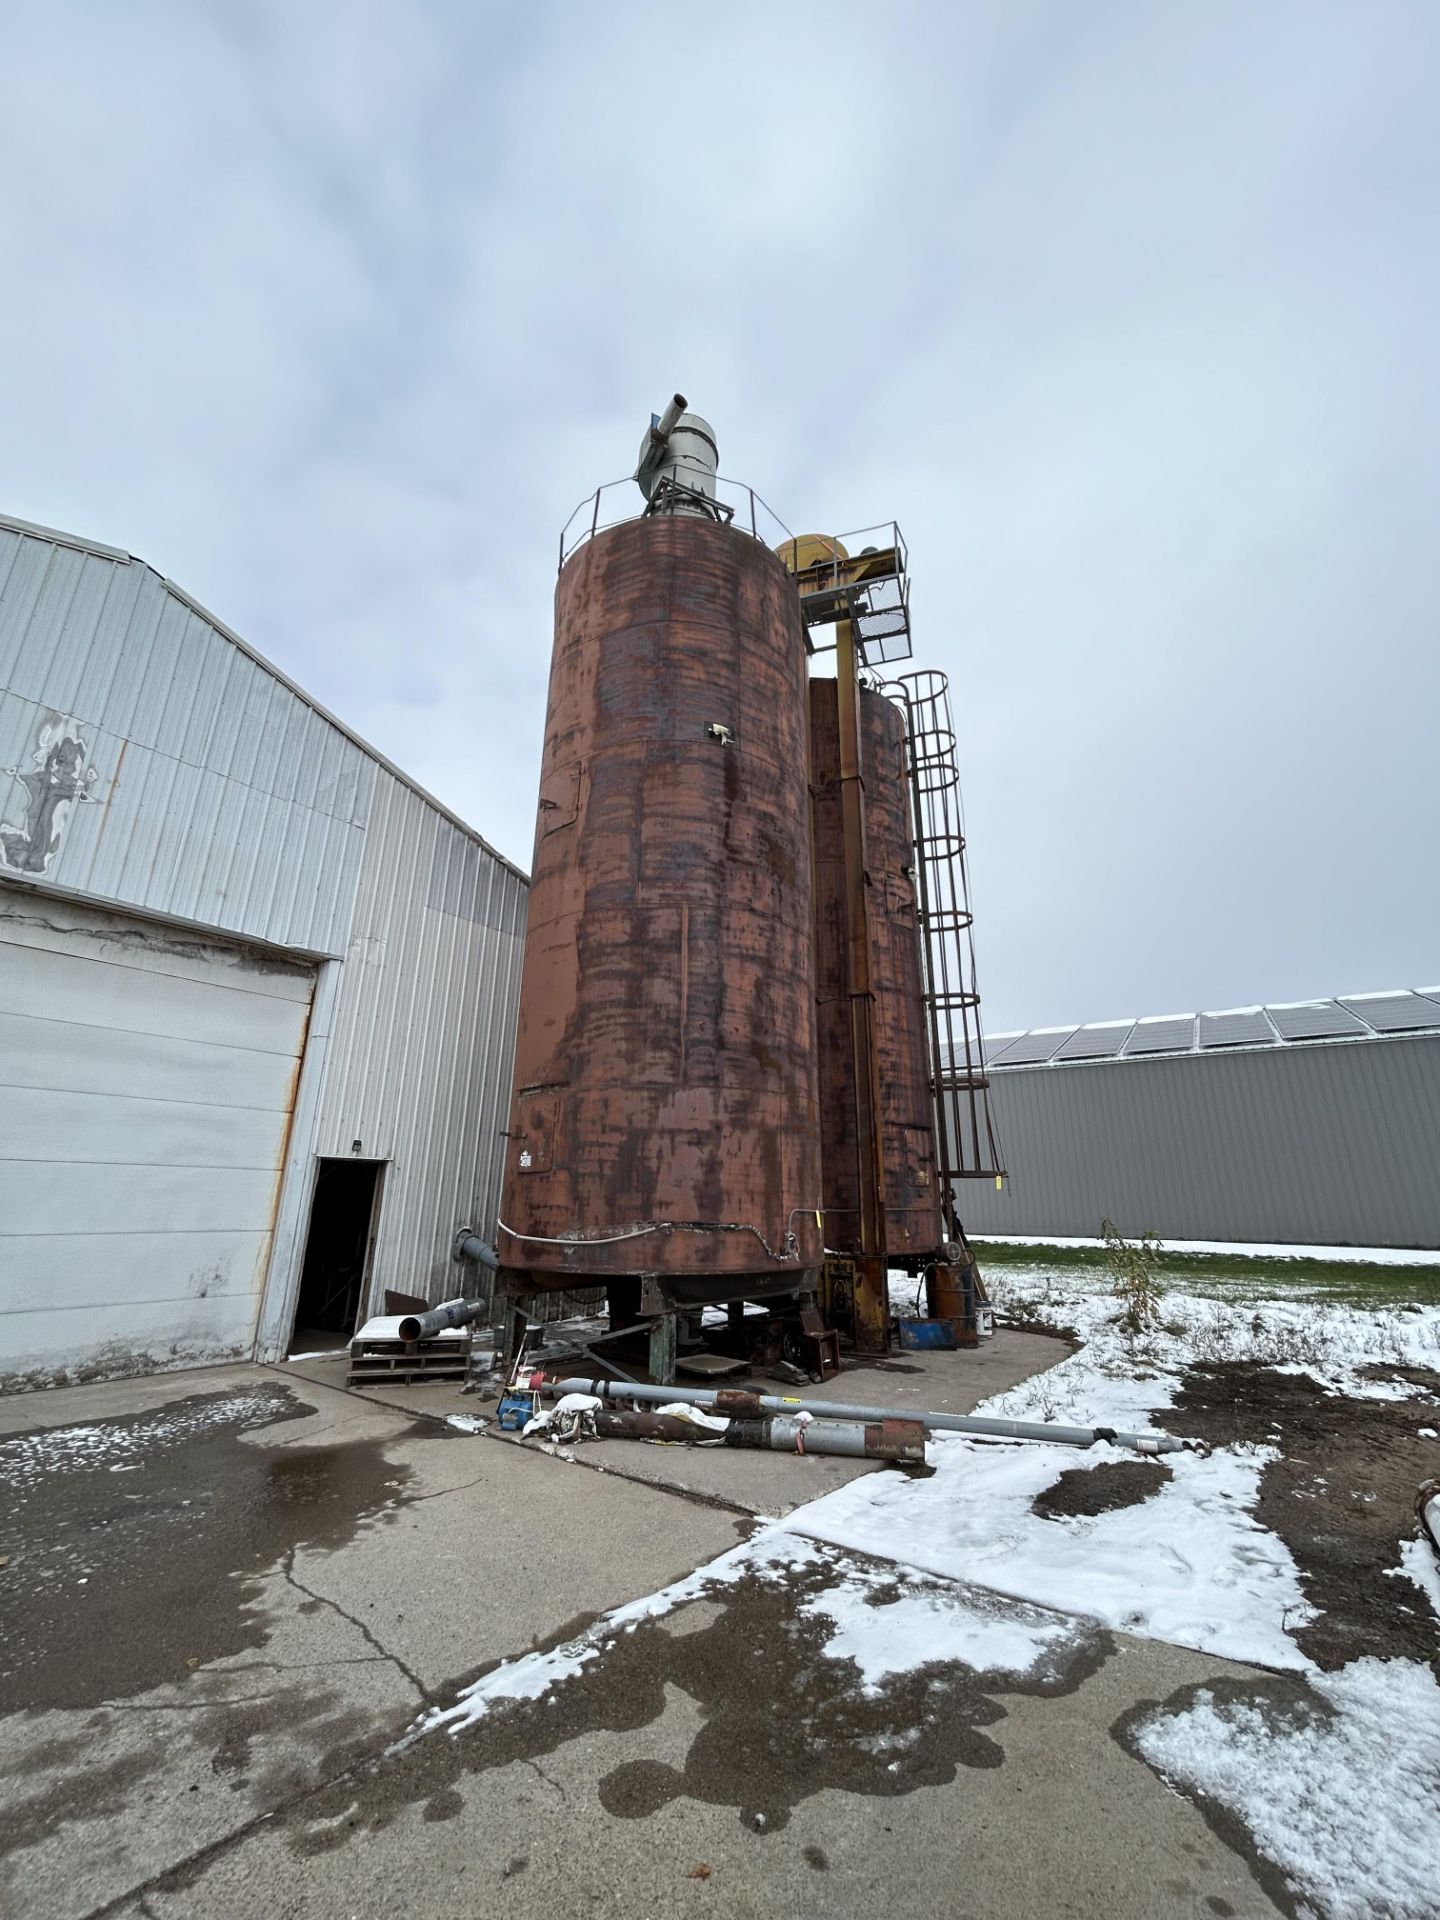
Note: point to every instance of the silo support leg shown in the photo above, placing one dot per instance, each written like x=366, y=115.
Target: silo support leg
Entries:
x=872, y=1304
x=662, y=1350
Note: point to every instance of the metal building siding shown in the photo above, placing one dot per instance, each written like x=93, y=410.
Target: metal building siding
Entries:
x=147, y=1082
x=219, y=796
x=1330, y=1144
x=422, y=1047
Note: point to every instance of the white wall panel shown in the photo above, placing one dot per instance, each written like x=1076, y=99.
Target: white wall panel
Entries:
x=147, y=1077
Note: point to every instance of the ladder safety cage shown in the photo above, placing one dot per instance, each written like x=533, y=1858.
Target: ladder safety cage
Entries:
x=966, y=1144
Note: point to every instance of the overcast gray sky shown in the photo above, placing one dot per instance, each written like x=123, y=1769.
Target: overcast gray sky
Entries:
x=1128, y=312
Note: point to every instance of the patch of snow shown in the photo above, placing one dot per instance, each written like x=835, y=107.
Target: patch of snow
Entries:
x=325, y=1353
x=1346, y=1802
x=1331, y=1341
x=466, y=1422
x=1238, y=1249
x=1427, y=1433
x=1418, y=1563
x=1190, y=1565
x=29, y=1457
x=888, y=1622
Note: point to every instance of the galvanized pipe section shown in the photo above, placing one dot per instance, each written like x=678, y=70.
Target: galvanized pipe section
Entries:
x=744, y=1404
x=453, y=1313
x=901, y=1441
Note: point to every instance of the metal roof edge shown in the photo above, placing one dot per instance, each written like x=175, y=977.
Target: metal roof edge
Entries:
x=1277, y=1045
x=82, y=545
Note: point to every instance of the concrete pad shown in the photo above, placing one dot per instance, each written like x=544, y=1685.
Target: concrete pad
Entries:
x=69, y=1406
x=318, y=1629
x=765, y=1484
x=1045, y=1813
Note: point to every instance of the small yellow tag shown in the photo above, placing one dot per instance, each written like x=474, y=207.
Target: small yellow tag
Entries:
x=999, y=1182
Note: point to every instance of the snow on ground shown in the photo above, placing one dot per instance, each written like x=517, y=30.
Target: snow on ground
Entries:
x=29, y=1457
x=1238, y=1249
x=883, y=1617
x=1338, y=1781
x=532, y=1674
x=888, y=1623
x=1343, y=1794
x=1190, y=1565
x=1331, y=1340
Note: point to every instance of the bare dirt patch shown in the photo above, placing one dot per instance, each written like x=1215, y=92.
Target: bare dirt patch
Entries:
x=1083, y=1492
x=1341, y=1497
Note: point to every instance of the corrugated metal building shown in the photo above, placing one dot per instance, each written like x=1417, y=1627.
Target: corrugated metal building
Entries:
x=1306, y=1125
x=257, y=990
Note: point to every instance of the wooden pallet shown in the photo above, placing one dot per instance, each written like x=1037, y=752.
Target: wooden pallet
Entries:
x=403, y=1362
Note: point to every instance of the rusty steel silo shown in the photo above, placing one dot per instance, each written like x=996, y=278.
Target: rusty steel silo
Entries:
x=909, y=1187
x=665, y=1118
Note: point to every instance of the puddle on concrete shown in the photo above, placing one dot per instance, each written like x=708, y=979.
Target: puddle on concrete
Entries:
x=131, y=1549
x=800, y=1723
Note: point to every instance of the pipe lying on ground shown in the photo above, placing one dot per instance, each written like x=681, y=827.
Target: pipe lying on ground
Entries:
x=899, y=1440
x=1427, y=1512
x=740, y=1404
x=453, y=1313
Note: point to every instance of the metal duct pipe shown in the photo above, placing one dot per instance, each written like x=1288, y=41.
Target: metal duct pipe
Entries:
x=669, y=420
x=898, y=1440
x=454, y=1313
x=745, y=1405
x=469, y=1246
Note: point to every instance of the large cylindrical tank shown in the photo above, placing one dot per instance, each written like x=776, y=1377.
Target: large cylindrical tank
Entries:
x=665, y=1119
x=910, y=1193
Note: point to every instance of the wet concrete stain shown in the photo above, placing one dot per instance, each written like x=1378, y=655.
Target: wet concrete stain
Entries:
x=1286, y=1703
x=800, y=1723
x=133, y=1552
x=1083, y=1492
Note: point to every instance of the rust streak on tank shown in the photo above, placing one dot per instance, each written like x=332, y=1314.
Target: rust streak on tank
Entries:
x=665, y=1060
x=912, y=1211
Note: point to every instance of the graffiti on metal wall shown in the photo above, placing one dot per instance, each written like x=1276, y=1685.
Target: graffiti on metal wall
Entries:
x=57, y=778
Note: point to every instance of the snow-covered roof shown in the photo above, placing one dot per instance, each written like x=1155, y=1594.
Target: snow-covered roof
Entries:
x=1354, y=1016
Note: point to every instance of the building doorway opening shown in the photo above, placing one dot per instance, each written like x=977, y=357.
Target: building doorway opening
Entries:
x=334, y=1280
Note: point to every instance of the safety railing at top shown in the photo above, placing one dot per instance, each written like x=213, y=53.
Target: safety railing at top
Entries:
x=734, y=505
x=832, y=587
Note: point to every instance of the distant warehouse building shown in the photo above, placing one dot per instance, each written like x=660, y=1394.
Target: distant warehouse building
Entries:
x=1313, y=1125
x=257, y=991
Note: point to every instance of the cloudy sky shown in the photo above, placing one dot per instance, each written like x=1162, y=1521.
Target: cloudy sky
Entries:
x=1127, y=311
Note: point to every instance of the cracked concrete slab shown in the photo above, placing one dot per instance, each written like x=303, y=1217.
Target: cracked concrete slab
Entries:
x=1058, y=1819
x=209, y=1722
x=206, y=1617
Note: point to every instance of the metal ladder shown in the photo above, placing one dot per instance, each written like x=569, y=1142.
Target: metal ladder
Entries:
x=965, y=1141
